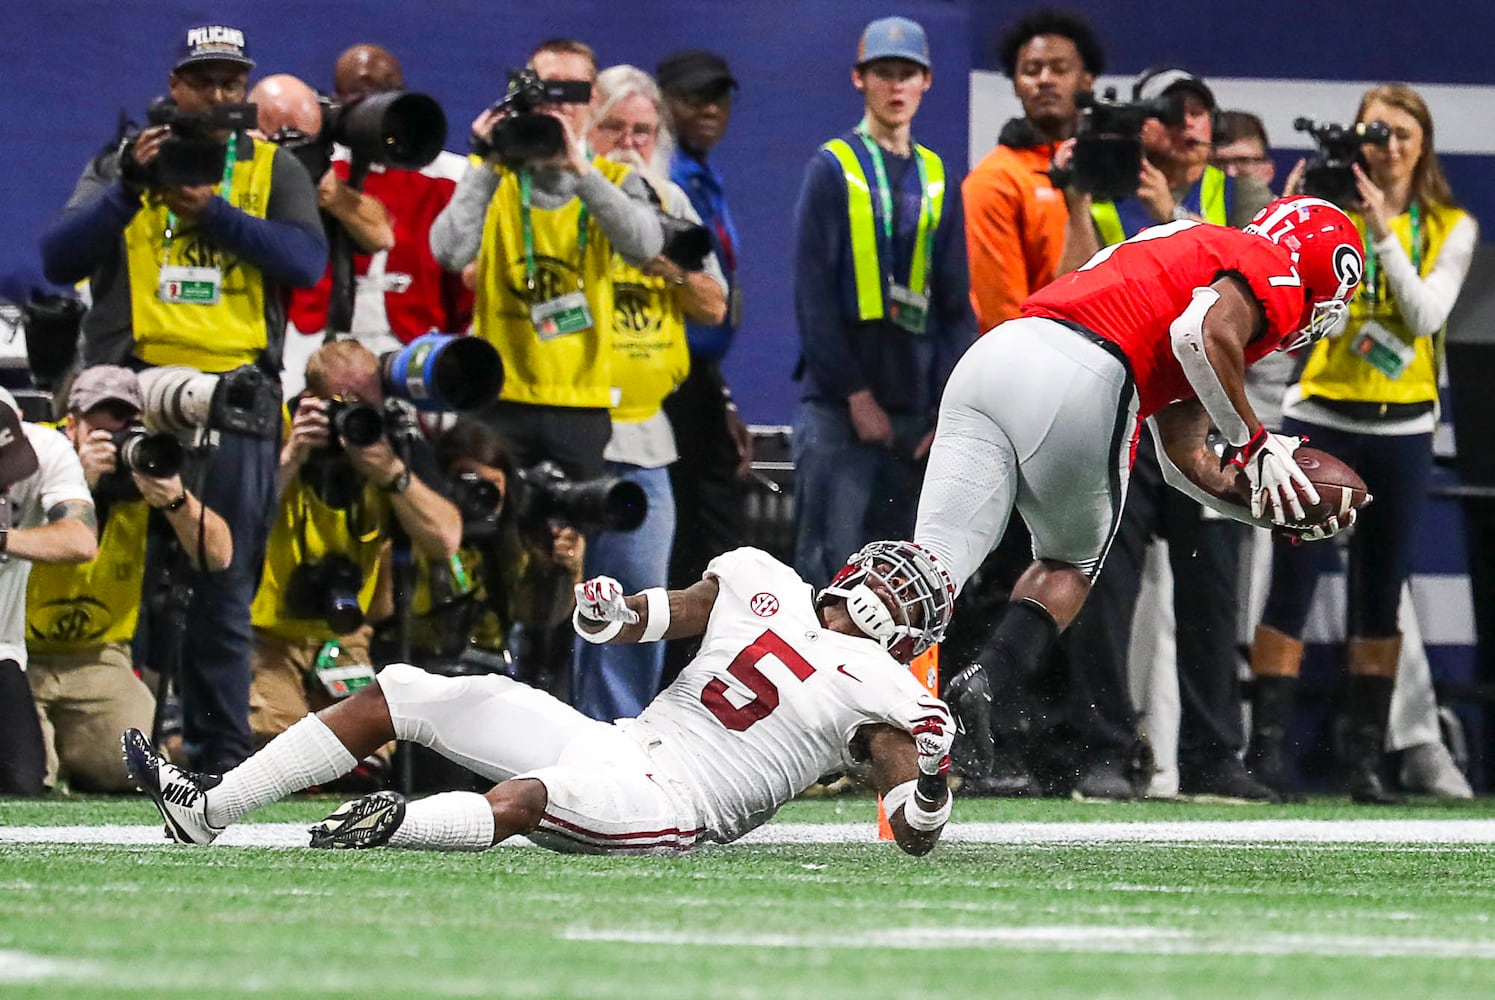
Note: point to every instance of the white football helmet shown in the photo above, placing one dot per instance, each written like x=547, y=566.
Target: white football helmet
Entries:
x=898, y=594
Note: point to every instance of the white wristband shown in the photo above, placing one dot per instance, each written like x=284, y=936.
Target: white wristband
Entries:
x=659, y=614
x=612, y=629
x=917, y=819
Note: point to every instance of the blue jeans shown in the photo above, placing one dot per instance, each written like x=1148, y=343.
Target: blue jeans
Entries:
x=615, y=682
x=846, y=492
x=238, y=483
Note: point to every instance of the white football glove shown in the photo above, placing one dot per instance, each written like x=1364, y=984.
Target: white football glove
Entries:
x=1275, y=478
x=933, y=734
x=1328, y=528
x=600, y=599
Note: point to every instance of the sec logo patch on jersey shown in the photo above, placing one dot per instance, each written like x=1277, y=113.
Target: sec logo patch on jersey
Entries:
x=764, y=604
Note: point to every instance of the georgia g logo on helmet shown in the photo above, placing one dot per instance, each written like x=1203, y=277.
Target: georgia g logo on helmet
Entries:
x=1349, y=268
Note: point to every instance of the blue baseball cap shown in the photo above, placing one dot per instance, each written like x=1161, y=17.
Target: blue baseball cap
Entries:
x=212, y=43
x=894, y=38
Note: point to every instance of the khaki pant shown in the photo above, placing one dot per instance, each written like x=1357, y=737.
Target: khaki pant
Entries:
x=85, y=701
x=284, y=688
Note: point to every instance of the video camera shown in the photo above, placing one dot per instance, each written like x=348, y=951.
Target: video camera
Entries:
x=525, y=135
x=1329, y=174
x=326, y=590
x=1108, y=143
x=192, y=155
x=543, y=494
x=394, y=129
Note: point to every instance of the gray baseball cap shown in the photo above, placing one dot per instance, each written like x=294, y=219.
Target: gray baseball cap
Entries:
x=894, y=38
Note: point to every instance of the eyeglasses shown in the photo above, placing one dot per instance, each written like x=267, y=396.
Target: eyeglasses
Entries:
x=231, y=87
x=1240, y=162
x=615, y=130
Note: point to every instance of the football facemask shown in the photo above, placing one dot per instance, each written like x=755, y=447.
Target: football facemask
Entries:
x=897, y=594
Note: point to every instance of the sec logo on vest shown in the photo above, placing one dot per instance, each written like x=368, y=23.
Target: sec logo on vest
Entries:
x=78, y=619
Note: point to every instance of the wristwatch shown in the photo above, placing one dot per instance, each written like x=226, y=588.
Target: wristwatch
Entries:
x=400, y=483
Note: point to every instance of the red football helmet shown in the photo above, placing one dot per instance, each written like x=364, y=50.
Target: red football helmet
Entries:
x=1328, y=252
x=897, y=593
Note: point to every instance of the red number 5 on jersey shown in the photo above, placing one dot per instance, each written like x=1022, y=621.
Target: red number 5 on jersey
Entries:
x=765, y=693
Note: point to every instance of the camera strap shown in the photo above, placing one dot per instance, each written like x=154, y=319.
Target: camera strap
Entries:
x=527, y=228
x=194, y=285
x=1372, y=264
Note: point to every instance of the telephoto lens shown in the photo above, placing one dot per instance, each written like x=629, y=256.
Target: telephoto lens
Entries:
x=357, y=424
x=159, y=456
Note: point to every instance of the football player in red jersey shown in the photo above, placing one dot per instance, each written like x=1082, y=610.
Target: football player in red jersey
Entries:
x=1043, y=413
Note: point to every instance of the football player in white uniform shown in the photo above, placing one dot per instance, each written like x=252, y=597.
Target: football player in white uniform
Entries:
x=788, y=685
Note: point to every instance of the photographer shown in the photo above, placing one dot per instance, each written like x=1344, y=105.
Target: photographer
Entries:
x=80, y=618
x=194, y=274
x=1369, y=396
x=543, y=231
x=288, y=107
x=344, y=493
x=401, y=291
x=650, y=359
x=46, y=516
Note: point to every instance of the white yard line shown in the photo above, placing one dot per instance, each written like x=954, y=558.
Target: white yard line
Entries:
x=1077, y=938
x=1292, y=831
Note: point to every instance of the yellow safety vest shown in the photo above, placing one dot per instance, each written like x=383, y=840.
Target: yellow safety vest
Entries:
x=569, y=370
x=72, y=609
x=1212, y=208
x=871, y=286
x=212, y=338
x=1336, y=371
x=304, y=529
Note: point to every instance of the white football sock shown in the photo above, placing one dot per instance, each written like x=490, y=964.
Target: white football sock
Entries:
x=450, y=821
x=304, y=755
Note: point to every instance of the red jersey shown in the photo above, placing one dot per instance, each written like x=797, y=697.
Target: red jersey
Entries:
x=403, y=291
x=1131, y=292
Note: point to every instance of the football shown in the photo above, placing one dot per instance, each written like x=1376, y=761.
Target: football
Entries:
x=1340, y=487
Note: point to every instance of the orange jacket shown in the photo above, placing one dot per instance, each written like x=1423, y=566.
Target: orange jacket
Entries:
x=1015, y=222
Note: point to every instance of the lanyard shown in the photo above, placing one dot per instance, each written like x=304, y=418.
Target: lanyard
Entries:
x=229, y=159
x=527, y=228
x=1372, y=266
x=926, y=206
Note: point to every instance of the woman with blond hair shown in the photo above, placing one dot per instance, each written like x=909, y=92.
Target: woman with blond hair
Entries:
x=1369, y=396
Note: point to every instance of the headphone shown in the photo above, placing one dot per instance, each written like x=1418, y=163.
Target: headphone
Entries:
x=1181, y=76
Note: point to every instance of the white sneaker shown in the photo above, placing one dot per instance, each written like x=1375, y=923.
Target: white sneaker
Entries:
x=178, y=794
x=365, y=822
x=1428, y=769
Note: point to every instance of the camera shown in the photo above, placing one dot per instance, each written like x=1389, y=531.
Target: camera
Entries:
x=481, y=503
x=327, y=590
x=1108, y=143
x=686, y=244
x=438, y=372
x=192, y=155
x=525, y=135
x=159, y=456
x=242, y=401
x=1329, y=174
x=359, y=424
x=396, y=128
x=544, y=494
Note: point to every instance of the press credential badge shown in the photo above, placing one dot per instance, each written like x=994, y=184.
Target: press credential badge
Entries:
x=190, y=285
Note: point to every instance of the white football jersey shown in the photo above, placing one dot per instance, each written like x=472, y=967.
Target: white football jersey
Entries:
x=772, y=700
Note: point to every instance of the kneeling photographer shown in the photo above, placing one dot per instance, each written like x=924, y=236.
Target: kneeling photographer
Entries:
x=543, y=221
x=80, y=618
x=353, y=475
x=189, y=234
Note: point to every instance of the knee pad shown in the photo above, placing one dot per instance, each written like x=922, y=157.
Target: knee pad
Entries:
x=416, y=699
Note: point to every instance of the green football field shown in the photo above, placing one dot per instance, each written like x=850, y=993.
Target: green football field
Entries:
x=1025, y=899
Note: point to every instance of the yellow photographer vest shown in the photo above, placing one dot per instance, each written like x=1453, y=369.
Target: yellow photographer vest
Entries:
x=573, y=369
x=212, y=338
x=72, y=609
x=1336, y=369
x=650, y=356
